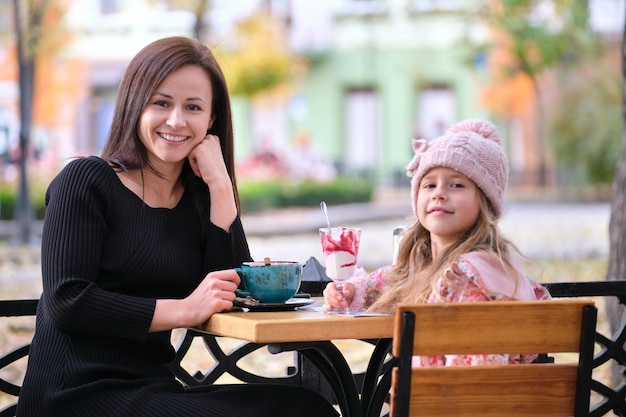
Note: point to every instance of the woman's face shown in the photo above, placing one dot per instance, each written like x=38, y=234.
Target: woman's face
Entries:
x=447, y=204
x=177, y=115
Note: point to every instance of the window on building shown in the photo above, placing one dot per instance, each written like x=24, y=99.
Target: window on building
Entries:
x=362, y=130
x=109, y=6
x=607, y=16
x=6, y=18
x=5, y=147
x=362, y=7
x=102, y=105
x=435, y=5
x=435, y=112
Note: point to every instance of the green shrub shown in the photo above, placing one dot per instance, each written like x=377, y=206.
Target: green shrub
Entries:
x=8, y=201
x=256, y=196
x=38, y=196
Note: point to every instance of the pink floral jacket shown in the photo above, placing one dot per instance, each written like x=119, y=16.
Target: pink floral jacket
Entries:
x=477, y=276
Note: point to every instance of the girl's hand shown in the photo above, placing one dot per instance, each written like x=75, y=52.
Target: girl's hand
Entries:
x=334, y=300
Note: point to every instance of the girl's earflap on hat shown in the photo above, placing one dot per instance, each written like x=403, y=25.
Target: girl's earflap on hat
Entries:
x=471, y=147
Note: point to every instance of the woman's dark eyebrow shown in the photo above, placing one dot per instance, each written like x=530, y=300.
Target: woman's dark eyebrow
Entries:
x=158, y=93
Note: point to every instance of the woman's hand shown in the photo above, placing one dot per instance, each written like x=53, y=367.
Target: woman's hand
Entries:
x=335, y=300
x=207, y=162
x=215, y=293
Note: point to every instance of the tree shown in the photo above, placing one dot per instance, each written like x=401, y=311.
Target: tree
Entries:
x=26, y=75
x=32, y=19
x=617, y=223
x=586, y=125
x=259, y=58
x=533, y=36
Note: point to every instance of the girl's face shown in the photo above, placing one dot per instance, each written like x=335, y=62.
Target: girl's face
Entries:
x=177, y=115
x=447, y=204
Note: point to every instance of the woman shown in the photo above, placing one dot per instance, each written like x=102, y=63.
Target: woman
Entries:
x=139, y=242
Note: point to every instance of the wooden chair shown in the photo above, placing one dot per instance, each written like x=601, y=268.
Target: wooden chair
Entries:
x=494, y=327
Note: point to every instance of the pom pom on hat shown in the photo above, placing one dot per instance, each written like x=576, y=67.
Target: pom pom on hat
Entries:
x=471, y=147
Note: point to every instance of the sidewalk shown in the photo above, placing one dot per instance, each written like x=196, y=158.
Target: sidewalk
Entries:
x=287, y=221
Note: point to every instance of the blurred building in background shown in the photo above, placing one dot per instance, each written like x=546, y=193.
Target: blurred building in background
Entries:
x=378, y=73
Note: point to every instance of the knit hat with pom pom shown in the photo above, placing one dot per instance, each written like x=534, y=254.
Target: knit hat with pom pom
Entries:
x=471, y=147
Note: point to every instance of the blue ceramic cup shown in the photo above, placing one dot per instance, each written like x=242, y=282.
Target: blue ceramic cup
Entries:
x=271, y=282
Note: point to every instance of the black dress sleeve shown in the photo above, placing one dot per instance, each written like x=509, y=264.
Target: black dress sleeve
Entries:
x=226, y=249
x=75, y=228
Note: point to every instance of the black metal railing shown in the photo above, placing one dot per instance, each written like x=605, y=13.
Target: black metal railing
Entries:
x=374, y=391
x=14, y=308
x=612, y=348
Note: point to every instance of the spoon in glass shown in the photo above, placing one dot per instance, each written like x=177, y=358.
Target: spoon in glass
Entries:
x=325, y=213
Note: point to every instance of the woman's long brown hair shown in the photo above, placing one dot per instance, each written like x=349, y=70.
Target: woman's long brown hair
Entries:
x=412, y=278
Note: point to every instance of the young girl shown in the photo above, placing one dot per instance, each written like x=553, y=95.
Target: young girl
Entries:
x=455, y=251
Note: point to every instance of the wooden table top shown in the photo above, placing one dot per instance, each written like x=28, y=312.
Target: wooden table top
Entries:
x=305, y=324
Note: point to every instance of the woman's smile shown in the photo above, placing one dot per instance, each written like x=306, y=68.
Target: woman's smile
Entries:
x=172, y=138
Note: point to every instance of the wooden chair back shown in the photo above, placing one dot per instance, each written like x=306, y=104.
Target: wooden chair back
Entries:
x=494, y=327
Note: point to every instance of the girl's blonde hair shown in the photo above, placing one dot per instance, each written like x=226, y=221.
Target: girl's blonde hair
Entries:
x=412, y=279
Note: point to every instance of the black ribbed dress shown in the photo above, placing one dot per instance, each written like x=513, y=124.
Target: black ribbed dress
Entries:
x=106, y=258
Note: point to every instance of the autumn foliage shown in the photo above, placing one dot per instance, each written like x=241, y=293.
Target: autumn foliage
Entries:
x=259, y=58
x=56, y=80
x=509, y=93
